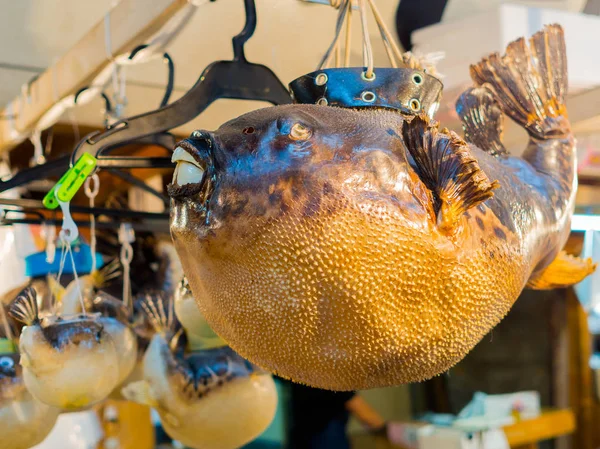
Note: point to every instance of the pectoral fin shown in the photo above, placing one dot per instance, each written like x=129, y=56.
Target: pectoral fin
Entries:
x=140, y=392
x=444, y=163
x=564, y=271
x=170, y=419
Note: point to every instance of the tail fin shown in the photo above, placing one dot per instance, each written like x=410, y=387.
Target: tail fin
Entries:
x=25, y=307
x=530, y=82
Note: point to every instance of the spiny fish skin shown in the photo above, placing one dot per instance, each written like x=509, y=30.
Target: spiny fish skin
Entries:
x=314, y=245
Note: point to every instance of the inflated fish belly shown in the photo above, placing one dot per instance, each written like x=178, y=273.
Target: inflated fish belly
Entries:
x=69, y=362
x=353, y=249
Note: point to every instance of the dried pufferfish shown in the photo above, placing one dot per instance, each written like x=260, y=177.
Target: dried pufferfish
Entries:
x=352, y=249
x=198, y=332
x=208, y=399
x=24, y=421
x=69, y=361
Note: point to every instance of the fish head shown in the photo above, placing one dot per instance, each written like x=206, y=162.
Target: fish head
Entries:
x=277, y=160
x=195, y=375
x=64, y=331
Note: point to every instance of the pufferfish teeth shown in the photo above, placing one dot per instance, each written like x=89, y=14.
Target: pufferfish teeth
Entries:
x=188, y=171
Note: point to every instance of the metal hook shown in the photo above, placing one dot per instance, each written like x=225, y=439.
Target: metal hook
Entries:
x=69, y=231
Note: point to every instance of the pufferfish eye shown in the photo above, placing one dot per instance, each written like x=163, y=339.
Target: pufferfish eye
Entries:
x=300, y=132
x=6, y=362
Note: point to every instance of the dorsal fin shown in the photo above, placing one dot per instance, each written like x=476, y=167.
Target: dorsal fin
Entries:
x=25, y=307
x=481, y=120
x=447, y=168
x=108, y=272
x=160, y=313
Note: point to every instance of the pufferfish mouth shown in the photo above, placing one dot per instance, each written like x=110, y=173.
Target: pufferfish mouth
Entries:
x=190, y=172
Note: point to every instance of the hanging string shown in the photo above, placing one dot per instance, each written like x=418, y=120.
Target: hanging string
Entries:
x=68, y=234
x=126, y=237
x=348, y=35
x=118, y=71
x=91, y=193
x=338, y=28
x=393, y=51
x=61, y=267
x=367, y=49
x=385, y=32
x=79, y=292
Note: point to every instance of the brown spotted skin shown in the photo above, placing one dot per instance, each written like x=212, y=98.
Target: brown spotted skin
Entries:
x=320, y=259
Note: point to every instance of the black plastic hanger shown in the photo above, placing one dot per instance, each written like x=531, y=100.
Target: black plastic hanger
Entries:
x=236, y=79
x=33, y=212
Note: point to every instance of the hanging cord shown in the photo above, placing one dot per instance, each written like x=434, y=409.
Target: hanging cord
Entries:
x=79, y=292
x=394, y=53
x=91, y=193
x=126, y=238
x=367, y=49
x=61, y=267
x=387, y=37
x=348, y=35
x=67, y=235
x=118, y=74
x=338, y=28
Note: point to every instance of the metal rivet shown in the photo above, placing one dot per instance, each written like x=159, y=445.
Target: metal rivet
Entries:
x=196, y=134
x=368, y=96
x=322, y=101
x=415, y=104
x=363, y=75
x=417, y=79
x=321, y=79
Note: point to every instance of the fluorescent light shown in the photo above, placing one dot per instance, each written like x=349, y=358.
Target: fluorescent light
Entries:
x=585, y=223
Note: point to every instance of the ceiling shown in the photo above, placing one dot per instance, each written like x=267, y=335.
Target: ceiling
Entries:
x=291, y=37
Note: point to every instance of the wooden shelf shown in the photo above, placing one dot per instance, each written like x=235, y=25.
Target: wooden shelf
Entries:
x=524, y=434
x=549, y=425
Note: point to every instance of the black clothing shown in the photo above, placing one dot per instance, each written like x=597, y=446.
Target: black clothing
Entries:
x=318, y=418
x=413, y=15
